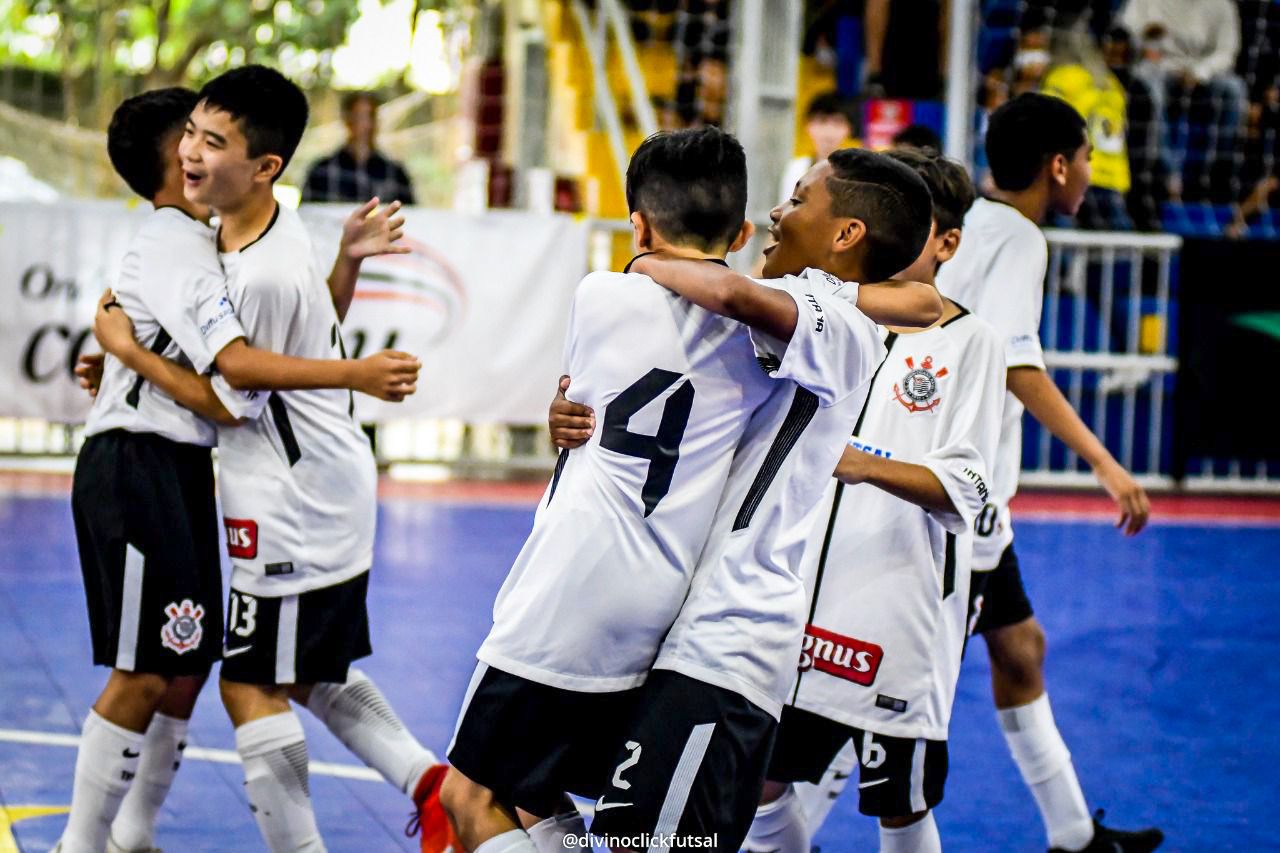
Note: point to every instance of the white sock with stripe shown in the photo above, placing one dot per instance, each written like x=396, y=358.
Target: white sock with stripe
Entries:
x=779, y=826
x=105, y=767
x=919, y=837
x=514, y=841
x=1045, y=763
x=359, y=715
x=274, y=753
x=135, y=826
x=817, y=800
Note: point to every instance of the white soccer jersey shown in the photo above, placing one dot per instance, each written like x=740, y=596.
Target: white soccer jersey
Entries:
x=998, y=274
x=298, y=481
x=889, y=580
x=172, y=287
x=744, y=618
x=625, y=517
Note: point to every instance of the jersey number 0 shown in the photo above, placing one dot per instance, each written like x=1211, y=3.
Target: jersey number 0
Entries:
x=663, y=449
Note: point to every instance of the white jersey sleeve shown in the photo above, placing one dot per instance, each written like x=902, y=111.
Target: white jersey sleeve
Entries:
x=185, y=288
x=828, y=355
x=1018, y=268
x=968, y=431
x=245, y=405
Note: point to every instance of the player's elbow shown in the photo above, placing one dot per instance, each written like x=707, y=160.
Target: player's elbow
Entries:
x=926, y=306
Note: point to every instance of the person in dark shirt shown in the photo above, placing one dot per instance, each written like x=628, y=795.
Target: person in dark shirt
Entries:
x=357, y=171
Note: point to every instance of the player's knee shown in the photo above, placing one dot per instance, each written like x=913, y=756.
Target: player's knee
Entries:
x=1018, y=652
x=772, y=791
x=181, y=695
x=144, y=688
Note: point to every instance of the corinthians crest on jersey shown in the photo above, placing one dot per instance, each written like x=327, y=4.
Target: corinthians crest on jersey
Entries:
x=918, y=391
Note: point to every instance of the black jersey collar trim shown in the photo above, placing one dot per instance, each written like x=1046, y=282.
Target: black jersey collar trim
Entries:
x=721, y=261
x=964, y=312
x=274, y=217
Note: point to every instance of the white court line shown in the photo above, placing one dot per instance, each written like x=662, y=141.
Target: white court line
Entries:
x=198, y=753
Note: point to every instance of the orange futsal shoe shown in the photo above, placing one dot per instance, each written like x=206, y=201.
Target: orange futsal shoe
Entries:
x=430, y=818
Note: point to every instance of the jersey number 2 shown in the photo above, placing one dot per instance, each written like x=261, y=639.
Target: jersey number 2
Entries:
x=663, y=449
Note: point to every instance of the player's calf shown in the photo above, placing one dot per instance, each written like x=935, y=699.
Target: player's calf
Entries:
x=131, y=698
x=913, y=833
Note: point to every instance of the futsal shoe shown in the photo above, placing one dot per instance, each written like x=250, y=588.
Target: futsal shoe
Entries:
x=1107, y=840
x=430, y=818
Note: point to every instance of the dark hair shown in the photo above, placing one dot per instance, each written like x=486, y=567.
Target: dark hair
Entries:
x=691, y=185
x=918, y=136
x=890, y=199
x=350, y=99
x=949, y=185
x=1027, y=132
x=271, y=109
x=140, y=128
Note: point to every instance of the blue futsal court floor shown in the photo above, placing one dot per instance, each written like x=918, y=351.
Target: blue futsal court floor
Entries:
x=1161, y=670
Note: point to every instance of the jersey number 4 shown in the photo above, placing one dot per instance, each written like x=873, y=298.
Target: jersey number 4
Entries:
x=663, y=449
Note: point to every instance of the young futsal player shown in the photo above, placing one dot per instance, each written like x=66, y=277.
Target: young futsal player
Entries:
x=1038, y=149
x=143, y=499
x=297, y=478
x=888, y=566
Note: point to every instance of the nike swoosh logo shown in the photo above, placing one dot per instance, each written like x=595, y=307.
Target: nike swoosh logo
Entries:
x=601, y=805
x=872, y=783
x=129, y=753
x=230, y=653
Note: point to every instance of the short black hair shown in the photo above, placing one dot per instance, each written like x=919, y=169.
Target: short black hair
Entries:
x=828, y=104
x=140, y=128
x=949, y=184
x=890, y=199
x=350, y=99
x=270, y=107
x=1027, y=132
x=918, y=136
x=691, y=185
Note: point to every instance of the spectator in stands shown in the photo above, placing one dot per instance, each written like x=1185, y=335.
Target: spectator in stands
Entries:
x=1079, y=75
x=1148, y=164
x=918, y=136
x=829, y=123
x=1190, y=47
x=904, y=48
x=357, y=171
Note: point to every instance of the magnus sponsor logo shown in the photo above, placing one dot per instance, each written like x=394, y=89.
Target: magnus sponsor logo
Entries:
x=841, y=656
x=242, y=538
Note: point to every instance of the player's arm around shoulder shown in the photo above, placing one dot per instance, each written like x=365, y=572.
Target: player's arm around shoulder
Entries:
x=723, y=291
x=900, y=303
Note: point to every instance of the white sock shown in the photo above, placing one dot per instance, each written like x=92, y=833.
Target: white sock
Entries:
x=514, y=841
x=919, y=837
x=780, y=826
x=817, y=800
x=548, y=835
x=358, y=715
x=105, y=767
x=135, y=825
x=274, y=754
x=1045, y=763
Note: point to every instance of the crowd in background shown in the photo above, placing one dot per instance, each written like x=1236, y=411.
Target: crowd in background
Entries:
x=1182, y=96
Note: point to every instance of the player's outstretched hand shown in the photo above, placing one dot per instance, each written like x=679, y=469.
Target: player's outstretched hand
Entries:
x=571, y=424
x=387, y=375
x=89, y=372
x=367, y=234
x=1135, y=509
x=112, y=327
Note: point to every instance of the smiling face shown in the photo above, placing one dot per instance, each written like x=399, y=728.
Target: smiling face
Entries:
x=803, y=228
x=217, y=169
